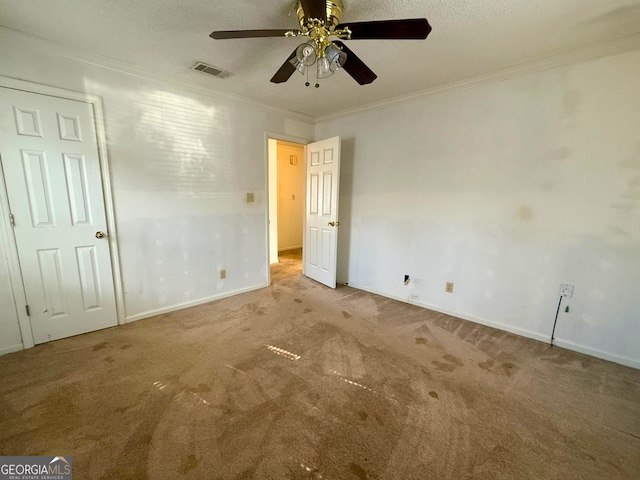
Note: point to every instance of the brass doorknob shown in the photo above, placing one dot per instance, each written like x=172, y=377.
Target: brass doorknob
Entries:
x=100, y=235
x=334, y=224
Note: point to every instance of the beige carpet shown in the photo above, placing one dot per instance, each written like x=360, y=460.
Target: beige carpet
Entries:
x=297, y=381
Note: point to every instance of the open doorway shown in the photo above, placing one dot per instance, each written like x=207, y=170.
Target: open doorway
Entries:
x=286, y=201
x=304, y=184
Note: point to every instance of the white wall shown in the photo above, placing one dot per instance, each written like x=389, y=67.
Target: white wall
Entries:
x=507, y=190
x=291, y=197
x=181, y=163
x=272, y=155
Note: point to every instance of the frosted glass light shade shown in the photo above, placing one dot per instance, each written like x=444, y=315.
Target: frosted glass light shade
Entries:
x=300, y=66
x=305, y=56
x=335, y=56
x=306, y=53
x=324, y=68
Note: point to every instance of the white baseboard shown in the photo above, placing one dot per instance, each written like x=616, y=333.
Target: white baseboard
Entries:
x=286, y=249
x=622, y=360
x=193, y=303
x=11, y=349
x=629, y=362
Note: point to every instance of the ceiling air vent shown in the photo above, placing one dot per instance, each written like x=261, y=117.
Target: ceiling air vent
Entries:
x=210, y=70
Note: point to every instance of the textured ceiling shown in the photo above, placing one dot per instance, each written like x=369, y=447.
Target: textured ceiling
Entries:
x=469, y=38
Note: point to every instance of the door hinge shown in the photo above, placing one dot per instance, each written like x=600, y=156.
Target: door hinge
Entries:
x=28, y=312
x=12, y=220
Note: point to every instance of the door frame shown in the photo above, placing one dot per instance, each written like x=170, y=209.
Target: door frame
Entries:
x=15, y=273
x=285, y=138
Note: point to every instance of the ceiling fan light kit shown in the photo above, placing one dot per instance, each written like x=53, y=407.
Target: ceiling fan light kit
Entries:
x=319, y=22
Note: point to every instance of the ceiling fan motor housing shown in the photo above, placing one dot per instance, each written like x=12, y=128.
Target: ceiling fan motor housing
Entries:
x=334, y=14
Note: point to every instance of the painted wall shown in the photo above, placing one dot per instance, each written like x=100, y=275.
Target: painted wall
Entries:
x=291, y=198
x=272, y=146
x=181, y=163
x=507, y=190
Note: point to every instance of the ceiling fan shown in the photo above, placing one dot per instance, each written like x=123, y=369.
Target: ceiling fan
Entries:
x=319, y=21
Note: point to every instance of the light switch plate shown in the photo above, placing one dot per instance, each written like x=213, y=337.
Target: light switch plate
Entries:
x=250, y=197
x=566, y=290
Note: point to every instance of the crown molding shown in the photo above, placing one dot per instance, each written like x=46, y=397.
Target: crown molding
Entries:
x=90, y=58
x=618, y=46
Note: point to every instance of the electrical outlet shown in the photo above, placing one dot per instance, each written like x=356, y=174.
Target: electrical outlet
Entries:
x=407, y=279
x=223, y=274
x=449, y=287
x=566, y=290
x=250, y=197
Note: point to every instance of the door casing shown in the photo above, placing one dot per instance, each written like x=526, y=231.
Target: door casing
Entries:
x=15, y=273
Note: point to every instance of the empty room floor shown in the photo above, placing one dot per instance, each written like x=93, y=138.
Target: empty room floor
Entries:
x=297, y=381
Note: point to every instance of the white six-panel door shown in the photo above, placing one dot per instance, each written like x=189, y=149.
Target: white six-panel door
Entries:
x=321, y=227
x=50, y=159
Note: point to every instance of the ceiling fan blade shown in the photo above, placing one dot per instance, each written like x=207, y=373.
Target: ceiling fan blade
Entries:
x=286, y=70
x=408, y=29
x=356, y=67
x=223, y=35
x=314, y=9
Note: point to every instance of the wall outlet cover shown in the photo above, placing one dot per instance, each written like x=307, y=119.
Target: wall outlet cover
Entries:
x=250, y=197
x=566, y=290
x=449, y=287
x=223, y=274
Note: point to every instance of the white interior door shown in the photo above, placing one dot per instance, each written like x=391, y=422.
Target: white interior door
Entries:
x=321, y=227
x=50, y=159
